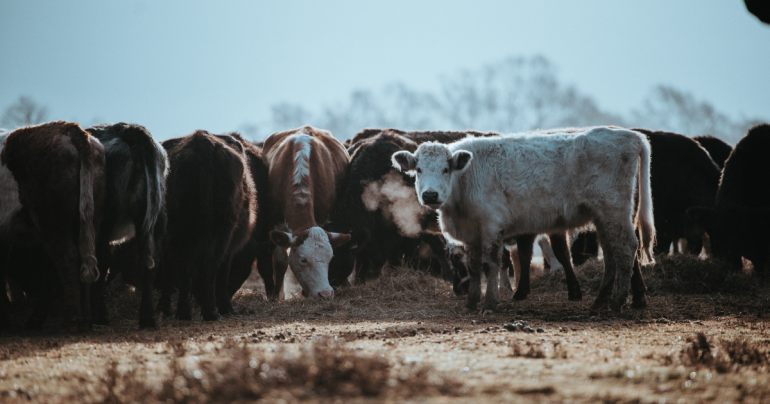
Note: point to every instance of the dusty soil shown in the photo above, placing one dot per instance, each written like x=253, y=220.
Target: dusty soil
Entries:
x=404, y=338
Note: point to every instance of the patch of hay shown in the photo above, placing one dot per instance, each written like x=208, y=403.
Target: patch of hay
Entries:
x=319, y=370
x=726, y=355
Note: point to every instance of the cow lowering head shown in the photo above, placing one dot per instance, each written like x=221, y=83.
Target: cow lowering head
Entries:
x=311, y=251
x=734, y=231
x=435, y=165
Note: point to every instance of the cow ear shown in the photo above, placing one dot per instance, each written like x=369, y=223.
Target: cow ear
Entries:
x=404, y=160
x=700, y=215
x=281, y=238
x=338, y=239
x=461, y=159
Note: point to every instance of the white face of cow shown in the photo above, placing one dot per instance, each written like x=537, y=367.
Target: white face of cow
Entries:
x=434, y=164
x=309, y=258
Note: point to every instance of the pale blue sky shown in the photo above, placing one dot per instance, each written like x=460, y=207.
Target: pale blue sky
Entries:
x=178, y=66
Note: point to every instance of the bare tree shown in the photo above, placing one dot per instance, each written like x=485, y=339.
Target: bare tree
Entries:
x=23, y=112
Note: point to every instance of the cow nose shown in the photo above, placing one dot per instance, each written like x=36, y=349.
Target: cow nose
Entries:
x=430, y=197
x=326, y=294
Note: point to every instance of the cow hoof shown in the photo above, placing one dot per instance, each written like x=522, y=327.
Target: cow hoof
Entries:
x=575, y=295
x=467, y=310
x=102, y=321
x=214, y=316
x=33, y=325
x=184, y=316
x=225, y=308
x=520, y=295
x=487, y=311
x=639, y=302
x=145, y=323
x=598, y=306
x=617, y=305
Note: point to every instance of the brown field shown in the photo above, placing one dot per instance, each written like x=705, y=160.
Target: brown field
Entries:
x=703, y=338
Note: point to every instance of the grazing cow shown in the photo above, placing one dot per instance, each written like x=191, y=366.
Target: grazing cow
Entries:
x=378, y=208
x=306, y=171
x=59, y=172
x=488, y=190
x=136, y=185
x=682, y=174
x=211, y=208
x=718, y=149
x=525, y=242
x=737, y=223
x=760, y=9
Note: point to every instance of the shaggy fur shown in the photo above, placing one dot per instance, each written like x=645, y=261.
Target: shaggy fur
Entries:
x=306, y=171
x=59, y=169
x=718, y=149
x=490, y=189
x=211, y=205
x=737, y=224
x=682, y=175
x=136, y=168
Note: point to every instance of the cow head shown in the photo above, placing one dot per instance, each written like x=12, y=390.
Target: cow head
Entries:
x=734, y=231
x=434, y=165
x=311, y=251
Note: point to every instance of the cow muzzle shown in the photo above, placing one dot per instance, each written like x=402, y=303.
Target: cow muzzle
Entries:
x=325, y=294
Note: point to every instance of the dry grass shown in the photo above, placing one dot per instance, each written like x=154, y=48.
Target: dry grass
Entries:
x=318, y=370
x=726, y=355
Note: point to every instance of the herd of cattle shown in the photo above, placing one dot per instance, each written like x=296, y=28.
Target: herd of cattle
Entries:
x=79, y=207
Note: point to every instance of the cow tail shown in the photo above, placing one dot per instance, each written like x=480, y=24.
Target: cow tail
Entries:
x=89, y=271
x=155, y=168
x=644, y=218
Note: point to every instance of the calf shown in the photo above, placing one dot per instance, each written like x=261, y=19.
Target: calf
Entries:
x=136, y=168
x=306, y=168
x=737, y=223
x=525, y=242
x=488, y=190
x=59, y=172
x=211, y=207
x=718, y=149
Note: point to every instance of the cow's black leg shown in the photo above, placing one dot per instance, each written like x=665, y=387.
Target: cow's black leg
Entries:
x=474, y=272
x=224, y=303
x=208, y=286
x=561, y=251
x=507, y=263
x=183, y=306
x=266, y=271
x=5, y=322
x=663, y=245
x=99, y=313
x=525, y=243
x=638, y=288
x=491, y=261
x=694, y=245
x=280, y=265
x=438, y=247
x=146, y=313
x=241, y=267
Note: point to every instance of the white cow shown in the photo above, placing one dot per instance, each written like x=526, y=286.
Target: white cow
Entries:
x=488, y=190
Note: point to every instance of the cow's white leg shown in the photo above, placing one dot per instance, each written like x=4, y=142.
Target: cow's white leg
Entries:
x=491, y=254
x=506, y=290
x=474, y=272
x=625, y=247
x=516, y=266
x=608, y=280
x=548, y=254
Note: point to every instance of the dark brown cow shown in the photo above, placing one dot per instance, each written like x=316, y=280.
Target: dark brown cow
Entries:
x=306, y=170
x=60, y=172
x=211, y=207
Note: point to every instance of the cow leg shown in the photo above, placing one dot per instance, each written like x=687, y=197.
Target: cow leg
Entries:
x=223, y=300
x=280, y=264
x=608, y=280
x=241, y=267
x=490, y=258
x=438, y=247
x=638, y=288
x=626, y=245
x=474, y=272
x=166, y=290
x=554, y=263
x=208, y=276
x=266, y=271
x=460, y=277
x=562, y=254
x=694, y=245
x=506, y=289
x=98, y=307
x=663, y=245
x=513, y=256
x=183, y=307
x=525, y=243
x=146, y=313
x=63, y=250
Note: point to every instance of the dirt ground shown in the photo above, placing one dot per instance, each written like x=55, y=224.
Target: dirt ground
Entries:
x=404, y=338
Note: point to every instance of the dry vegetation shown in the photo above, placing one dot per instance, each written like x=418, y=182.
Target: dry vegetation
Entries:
x=404, y=338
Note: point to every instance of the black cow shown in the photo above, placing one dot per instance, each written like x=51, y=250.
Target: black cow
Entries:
x=682, y=174
x=737, y=223
x=136, y=168
x=718, y=149
x=211, y=206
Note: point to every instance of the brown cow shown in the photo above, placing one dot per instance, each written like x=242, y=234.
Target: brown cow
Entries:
x=60, y=171
x=211, y=206
x=306, y=168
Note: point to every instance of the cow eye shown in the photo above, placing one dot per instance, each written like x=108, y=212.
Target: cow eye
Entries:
x=303, y=260
x=446, y=171
x=419, y=171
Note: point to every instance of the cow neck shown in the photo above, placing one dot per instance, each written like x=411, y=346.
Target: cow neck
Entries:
x=300, y=215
